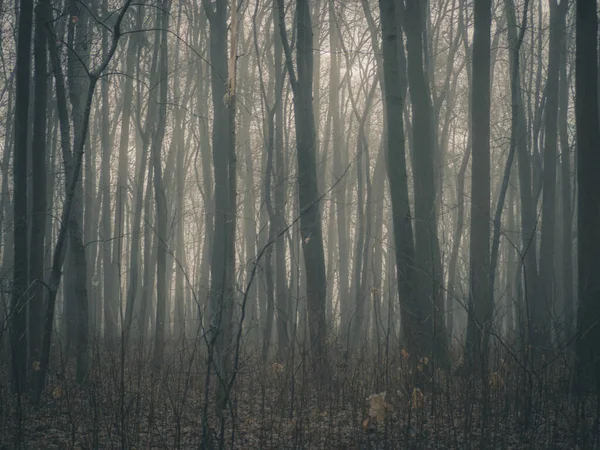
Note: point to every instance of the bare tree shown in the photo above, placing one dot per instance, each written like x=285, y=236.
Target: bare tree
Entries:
x=588, y=167
x=308, y=194
x=480, y=303
x=21, y=259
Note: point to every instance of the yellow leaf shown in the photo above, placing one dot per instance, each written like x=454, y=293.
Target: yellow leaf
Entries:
x=57, y=393
x=277, y=368
x=378, y=407
x=404, y=354
x=417, y=399
x=36, y=366
x=496, y=381
x=365, y=425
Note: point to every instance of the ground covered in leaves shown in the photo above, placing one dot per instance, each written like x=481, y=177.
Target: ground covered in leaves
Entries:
x=373, y=402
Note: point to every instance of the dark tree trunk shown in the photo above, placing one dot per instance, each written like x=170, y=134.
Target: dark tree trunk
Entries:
x=223, y=149
x=413, y=310
x=21, y=264
x=480, y=303
x=159, y=193
x=38, y=190
x=567, y=208
x=588, y=196
x=543, y=309
x=427, y=248
x=76, y=283
x=283, y=310
x=308, y=192
x=528, y=250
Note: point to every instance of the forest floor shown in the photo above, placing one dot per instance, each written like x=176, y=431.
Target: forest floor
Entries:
x=277, y=406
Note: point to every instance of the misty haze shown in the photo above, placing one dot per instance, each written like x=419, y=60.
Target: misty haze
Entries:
x=299, y=224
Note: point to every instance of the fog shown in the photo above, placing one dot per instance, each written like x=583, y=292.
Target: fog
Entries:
x=299, y=224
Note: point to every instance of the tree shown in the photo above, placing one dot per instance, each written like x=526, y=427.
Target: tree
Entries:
x=21, y=264
x=544, y=306
x=480, y=301
x=73, y=176
x=223, y=151
x=588, y=196
x=159, y=190
x=79, y=32
x=427, y=249
x=38, y=189
x=308, y=191
x=413, y=315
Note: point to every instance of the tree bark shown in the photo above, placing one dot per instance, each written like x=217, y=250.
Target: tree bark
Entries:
x=588, y=196
x=18, y=324
x=480, y=303
x=543, y=309
x=38, y=189
x=159, y=192
x=413, y=312
x=308, y=192
x=427, y=249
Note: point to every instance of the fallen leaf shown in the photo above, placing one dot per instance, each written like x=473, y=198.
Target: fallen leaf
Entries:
x=57, y=393
x=365, y=425
x=417, y=399
x=378, y=407
x=496, y=381
x=277, y=368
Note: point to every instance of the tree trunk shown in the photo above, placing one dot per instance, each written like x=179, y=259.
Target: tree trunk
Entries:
x=528, y=213
x=543, y=309
x=340, y=191
x=480, y=303
x=427, y=248
x=76, y=284
x=159, y=192
x=223, y=149
x=413, y=310
x=283, y=310
x=38, y=190
x=567, y=209
x=588, y=196
x=21, y=264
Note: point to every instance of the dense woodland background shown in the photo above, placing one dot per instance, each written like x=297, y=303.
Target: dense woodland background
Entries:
x=299, y=224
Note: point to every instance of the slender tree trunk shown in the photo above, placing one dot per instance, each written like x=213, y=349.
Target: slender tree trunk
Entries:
x=149, y=262
x=413, y=312
x=547, y=275
x=308, y=191
x=427, y=248
x=283, y=309
x=38, y=190
x=567, y=209
x=588, y=223
x=528, y=213
x=159, y=192
x=77, y=301
x=480, y=303
x=18, y=322
x=340, y=191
